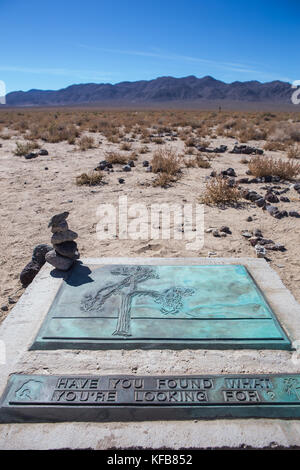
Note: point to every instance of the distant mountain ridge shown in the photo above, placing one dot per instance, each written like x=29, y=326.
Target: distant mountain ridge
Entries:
x=162, y=89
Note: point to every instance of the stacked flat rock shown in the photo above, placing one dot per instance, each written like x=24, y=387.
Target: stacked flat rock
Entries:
x=64, y=251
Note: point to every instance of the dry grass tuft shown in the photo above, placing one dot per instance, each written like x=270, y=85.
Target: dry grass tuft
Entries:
x=86, y=143
x=274, y=146
x=24, y=149
x=218, y=192
x=293, y=151
x=198, y=161
x=93, y=178
x=116, y=157
x=126, y=146
x=166, y=163
x=267, y=166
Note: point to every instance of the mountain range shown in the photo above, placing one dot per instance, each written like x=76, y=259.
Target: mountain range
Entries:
x=159, y=90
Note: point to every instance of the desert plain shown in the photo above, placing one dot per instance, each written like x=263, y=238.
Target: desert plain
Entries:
x=33, y=189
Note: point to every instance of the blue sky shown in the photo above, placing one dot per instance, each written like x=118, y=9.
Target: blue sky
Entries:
x=53, y=44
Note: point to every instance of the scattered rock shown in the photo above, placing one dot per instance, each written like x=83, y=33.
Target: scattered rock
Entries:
x=228, y=172
x=273, y=210
x=121, y=180
x=247, y=234
x=43, y=152
x=254, y=240
x=145, y=163
x=249, y=219
x=225, y=229
x=216, y=233
x=260, y=202
x=31, y=155
x=246, y=149
x=275, y=247
x=131, y=163
x=271, y=197
x=4, y=308
x=126, y=168
x=260, y=251
x=294, y=214
x=257, y=233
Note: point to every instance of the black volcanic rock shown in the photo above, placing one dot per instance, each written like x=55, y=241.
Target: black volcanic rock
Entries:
x=161, y=89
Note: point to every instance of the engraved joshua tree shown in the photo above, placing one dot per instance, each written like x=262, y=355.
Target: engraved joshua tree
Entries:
x=170, y=300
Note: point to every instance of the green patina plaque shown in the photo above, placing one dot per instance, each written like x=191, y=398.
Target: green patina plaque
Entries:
x=40, y=398
x=153, y=306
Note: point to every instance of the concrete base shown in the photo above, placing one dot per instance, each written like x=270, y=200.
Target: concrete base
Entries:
x=21, y=326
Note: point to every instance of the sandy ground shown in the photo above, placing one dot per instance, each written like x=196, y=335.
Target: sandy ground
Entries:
x=31, y=194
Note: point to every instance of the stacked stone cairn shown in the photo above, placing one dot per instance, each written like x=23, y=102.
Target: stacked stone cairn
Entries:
x=64, y=251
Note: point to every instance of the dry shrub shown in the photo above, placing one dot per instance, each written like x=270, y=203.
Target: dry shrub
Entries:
x=274, y=146
x=86, y=143
x=293, y=151
x=93, y=178
x=157, y=140
x=219, y=191
x=125, y=146
x=252, y=133
x=191, y=142
x=54, y=133
x=24, y=149
x=166, y=164
x=164, y=180
x=190, y=163
x=165, y=161
x=267, y=166
x=202, y=162
x=116, y=157
x=143, y=149
x=285, y=131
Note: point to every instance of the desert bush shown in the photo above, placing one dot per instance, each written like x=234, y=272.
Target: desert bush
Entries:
x=252, y=133
x=116, y=157
x=191, y=142
x=267, y=166
x=166, y=164
x=285, y=131
x=201, y=162
x=164, y=180
x=93, y=178
x=165, y=161
x=158, y=140
x=293, y=151
x=190, y=163
x=86, y=143
x=274, y=146
x=55, y=133
x=143, y=149
x=126, y=146
x=218, y=191
x=24, y=149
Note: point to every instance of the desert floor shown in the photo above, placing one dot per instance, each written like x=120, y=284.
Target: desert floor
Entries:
x=32, y=191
